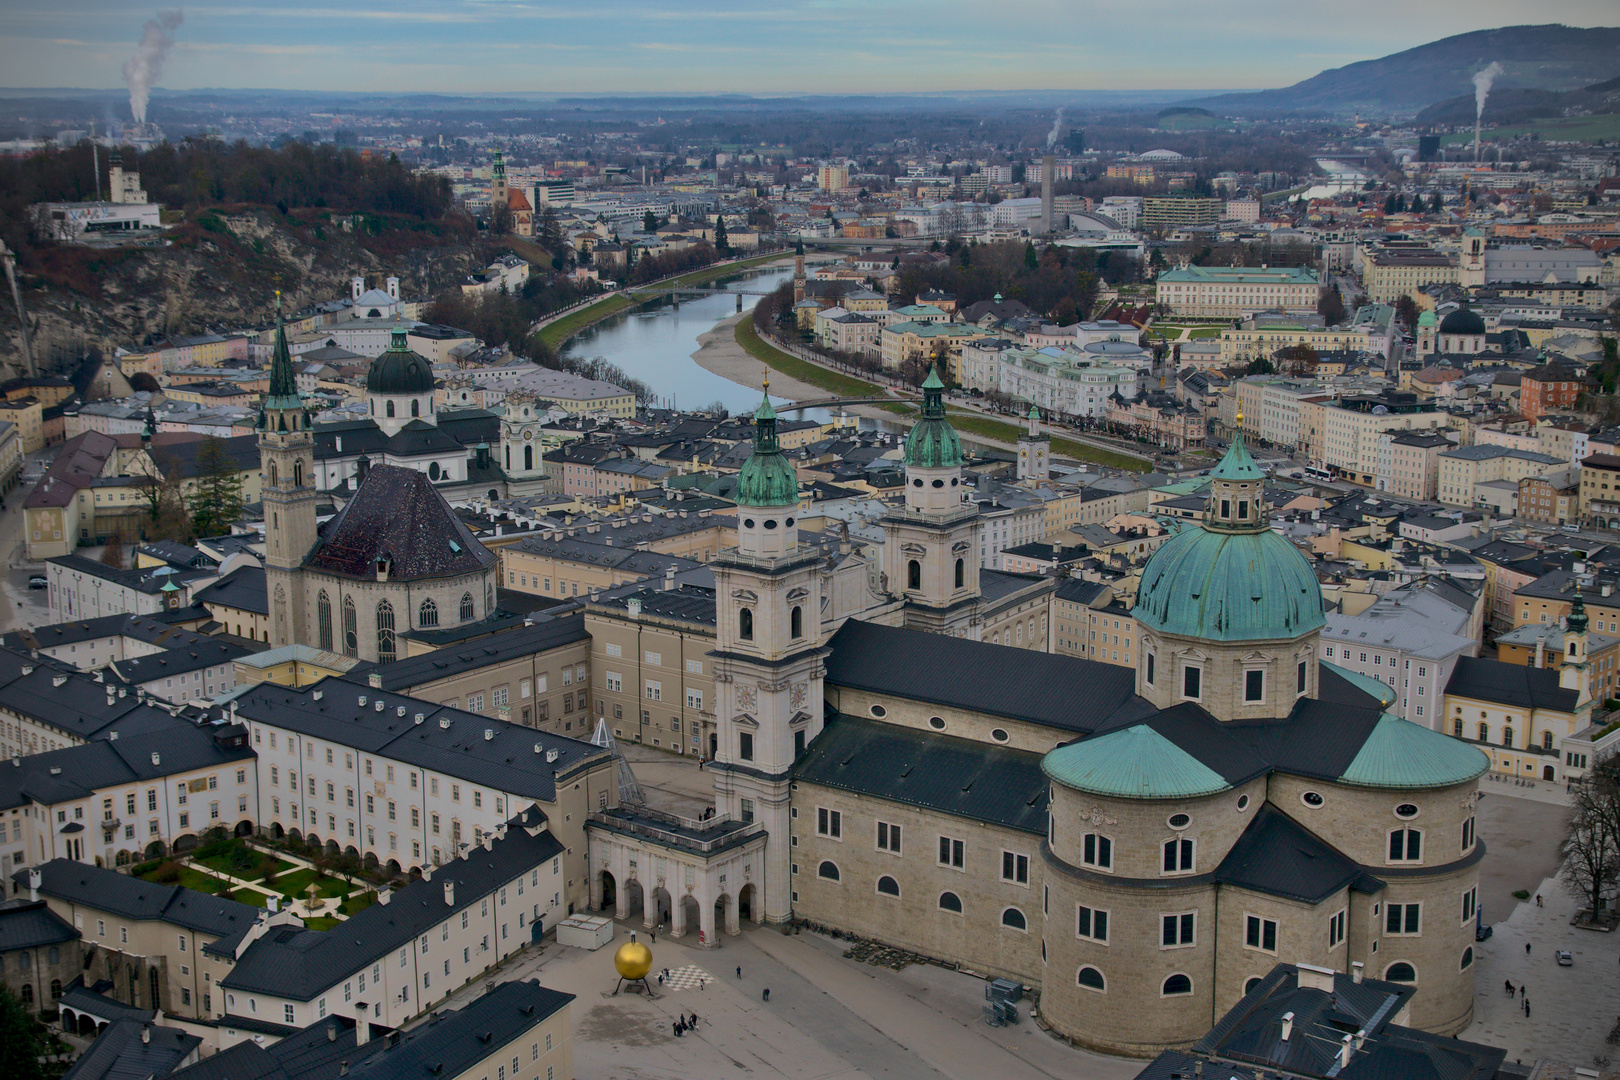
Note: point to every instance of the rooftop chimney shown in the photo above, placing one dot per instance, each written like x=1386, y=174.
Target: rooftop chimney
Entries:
x=146, y=1033
x=384, y=896
x=362, y=1030
x=1287, y=1026
x=450, y=893
x=35, y=878
x=1312, y=977
x=1346, y=1048
x=1357, y=970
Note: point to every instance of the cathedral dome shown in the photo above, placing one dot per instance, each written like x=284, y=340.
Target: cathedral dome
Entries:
x=1229, y=586
x=400, y=370
x=1462, y=321
x=766, y=478
x=932, y=443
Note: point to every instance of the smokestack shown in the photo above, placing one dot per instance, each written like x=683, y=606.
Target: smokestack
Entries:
x=1482, y=90
x=1048, y=165
x=146, y=66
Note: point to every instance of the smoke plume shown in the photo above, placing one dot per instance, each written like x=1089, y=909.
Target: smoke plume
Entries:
x=1482, y=87
x=1057, y=124
x=146, y=66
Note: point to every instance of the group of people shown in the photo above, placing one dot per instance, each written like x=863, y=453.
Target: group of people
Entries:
x=684, y=1023
x=1524, y=1002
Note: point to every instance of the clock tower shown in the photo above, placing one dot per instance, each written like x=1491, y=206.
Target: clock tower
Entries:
x=287, y=465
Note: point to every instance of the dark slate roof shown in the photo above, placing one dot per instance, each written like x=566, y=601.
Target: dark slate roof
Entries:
x=1278, y=856
x=312, y=1053
x=187, y=460
x=78, y=772
x=1078, y=591
x=490, y=649
x=25, y=925
x=147, y=580
x=684, y=603
x=156, y=629
x=243, y=589
x=298, y=963
x=993, y=784
x=119, y=1053
x=193, y=655
x=398, y=515
x=1040, y=688
x=50, y=692
x=454, y=1042
x=512, y=760
x=95, y=1001
x=120, y=894
x=1510, y=684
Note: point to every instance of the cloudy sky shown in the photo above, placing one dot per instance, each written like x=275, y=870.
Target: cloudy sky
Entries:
x=759, y=46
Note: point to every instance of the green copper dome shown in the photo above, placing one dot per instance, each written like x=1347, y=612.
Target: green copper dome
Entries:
x=1403, y=755
x=1229, y=586
x=932, y=443
x=400, y=370
x=1426, y=318
x=766, y=479
x=1237, y=464
x=1132, y=763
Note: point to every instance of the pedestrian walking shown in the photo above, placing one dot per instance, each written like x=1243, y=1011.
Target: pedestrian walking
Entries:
x=767, y=993
x=1538, y=900
x=1527, y=948
x=677, y=1029
x=660, y=978
x=1521, y=989
x=739, y=971
x=654, y=934
x=1527, y=1009
x=1509, y=984
x=694, y=1021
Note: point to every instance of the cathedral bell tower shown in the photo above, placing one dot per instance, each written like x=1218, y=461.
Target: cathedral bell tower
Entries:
x=768, y=656
x=1575, y=673
x=287, y=468
x=498, y=195
x=1034, y=452
x=931, y=545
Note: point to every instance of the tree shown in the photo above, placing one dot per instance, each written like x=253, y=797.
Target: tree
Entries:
x=1592, y=849
x=1331, y=306
x=217, y=502
x=721, y=243
x=1297, y=360
x=113, y=554
x=500, y=220
x=550, y=233
x=1436, y=203
x=649, y=222
x=1260, y=366
x=165, y=502
x=22, y=1041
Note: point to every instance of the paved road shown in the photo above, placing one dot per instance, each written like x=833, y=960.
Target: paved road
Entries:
x=20, y=606
x=1522, y=834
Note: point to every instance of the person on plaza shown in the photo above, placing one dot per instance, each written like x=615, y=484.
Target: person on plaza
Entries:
x=1509, y=984
x=1521, y=989
x=677, y=1028
x=1527, y=948
x=694, y=1021
x=739, y=971
x=1538, y=900
x=767, y=993
x=1527, y=1008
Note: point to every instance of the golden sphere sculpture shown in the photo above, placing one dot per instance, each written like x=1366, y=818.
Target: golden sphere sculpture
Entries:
x=633, y=960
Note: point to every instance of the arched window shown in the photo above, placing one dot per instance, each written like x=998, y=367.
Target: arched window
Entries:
x=1400, y=972
x=28, y=993
x=828, y=870
x=913, y=574
x=385, y=632
x=1176, y=984
x=1467, y=959
x=961, y=573
x=1091, y=979
x=56, y=986
x=1249, y=985
x=796, y=621
x=1546, y=740
x=949, y=901
x=1406, y=845
x=745, y=624
x=1507, y=736
x=888, y=886
x=1014, y=918
x=298, y=474
x=508, y=452
x=466, y=607
x=323, y=620
x=416, y=408
x=273, y=474
x=528, y=458
x=428, y=613
x=1484, y=731
x=390, y=408
x=351, y=635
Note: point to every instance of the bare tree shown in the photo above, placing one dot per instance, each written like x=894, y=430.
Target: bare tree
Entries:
x=1592, y=850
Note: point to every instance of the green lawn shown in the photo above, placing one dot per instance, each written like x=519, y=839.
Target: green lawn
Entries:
x=831, y=381
x=296, y=885
x=1200, y=333
x=321, y=922
x=356, y=904
x=973, y=424
x=250, y=896
x=191, y=878
x=224, y=865
x=1551, y=129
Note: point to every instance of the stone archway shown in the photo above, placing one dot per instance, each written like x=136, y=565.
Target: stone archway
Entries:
x=691, y=917
x=634, y=899
x=662, y=908
x=243, y=828
x=87, y=1025
x=747, y=898
x=154, y=850
x=610, y=891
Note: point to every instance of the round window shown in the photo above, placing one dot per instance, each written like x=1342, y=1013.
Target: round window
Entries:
x=1179, y=821
x=917, y=482
x=1243, y=803
x=1406, y=810
x=954, y=481
x=1311, y=798
x=770, y=523
x=939, y=483
x=999, y=734
x=937, y=723
x=788, y=524
x=748, y=523
x=879, y=711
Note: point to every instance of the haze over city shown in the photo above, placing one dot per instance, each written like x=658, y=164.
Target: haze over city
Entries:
x=738, y=46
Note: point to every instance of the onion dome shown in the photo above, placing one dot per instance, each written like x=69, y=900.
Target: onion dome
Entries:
x=932, y=443
x=400, y=370
x=1426, y=318
x=766, y=478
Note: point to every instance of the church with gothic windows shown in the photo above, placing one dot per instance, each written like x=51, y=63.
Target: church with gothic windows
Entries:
x=1142, y=845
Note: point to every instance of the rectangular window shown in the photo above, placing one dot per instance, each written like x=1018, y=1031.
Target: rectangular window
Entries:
x=1335, y=930
x=1091, y=923
x=745, y=746
x=1151, y=661
x=1470, y=903
x=1098, y=851
x=1176, y=931
x=1403, y=918
x=655, y=690
x=829, y=823
x=1299, y=678
x=1015, y=867
x=1260, y=933
x=1192, y=682
x=950, y=852
x=615, y=681
x=888, y=837
x=1254, y=686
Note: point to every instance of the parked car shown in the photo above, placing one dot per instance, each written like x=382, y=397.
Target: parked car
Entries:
x=1564, y=958
x=1483, y=931
x=37, y=581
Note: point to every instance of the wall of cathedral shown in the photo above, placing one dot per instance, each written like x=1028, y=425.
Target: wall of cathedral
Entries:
x=910, y=897
x=404, y=597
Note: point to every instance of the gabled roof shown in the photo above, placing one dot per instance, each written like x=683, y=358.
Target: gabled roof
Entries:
x=1510, y=684
x=397, y=516
x=25, y=925
x=1280, y=857
x=121, y=894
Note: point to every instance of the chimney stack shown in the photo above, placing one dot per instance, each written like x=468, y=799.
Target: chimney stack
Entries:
x=35, y=879
x=1346, y=1048
x=1287, y=1026
x=1357, y=970
x=450, y=893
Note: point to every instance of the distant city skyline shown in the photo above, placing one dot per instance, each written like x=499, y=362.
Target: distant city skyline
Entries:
x=739, y=46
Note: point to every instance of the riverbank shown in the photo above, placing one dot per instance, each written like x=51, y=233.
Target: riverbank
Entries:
x=734, y=350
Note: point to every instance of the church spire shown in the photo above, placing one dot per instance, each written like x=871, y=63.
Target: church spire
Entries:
x=283, y=393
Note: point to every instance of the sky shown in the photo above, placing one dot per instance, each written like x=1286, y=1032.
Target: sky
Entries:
x=741, y=46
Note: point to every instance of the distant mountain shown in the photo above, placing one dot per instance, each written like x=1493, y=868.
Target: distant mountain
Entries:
x=1548, y=57
x=1510, y=105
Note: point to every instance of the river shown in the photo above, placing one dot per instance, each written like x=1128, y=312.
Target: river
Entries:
x=654, y=342
x=1341, y=178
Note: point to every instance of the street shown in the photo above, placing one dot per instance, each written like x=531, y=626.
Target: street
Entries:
x=22, y=607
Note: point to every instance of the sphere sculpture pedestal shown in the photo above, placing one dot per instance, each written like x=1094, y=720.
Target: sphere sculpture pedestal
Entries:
x=633, y=961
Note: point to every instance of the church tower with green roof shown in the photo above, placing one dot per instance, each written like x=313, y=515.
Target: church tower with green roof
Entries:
x=768, y=658
x=287, y=464
x=931, y=544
